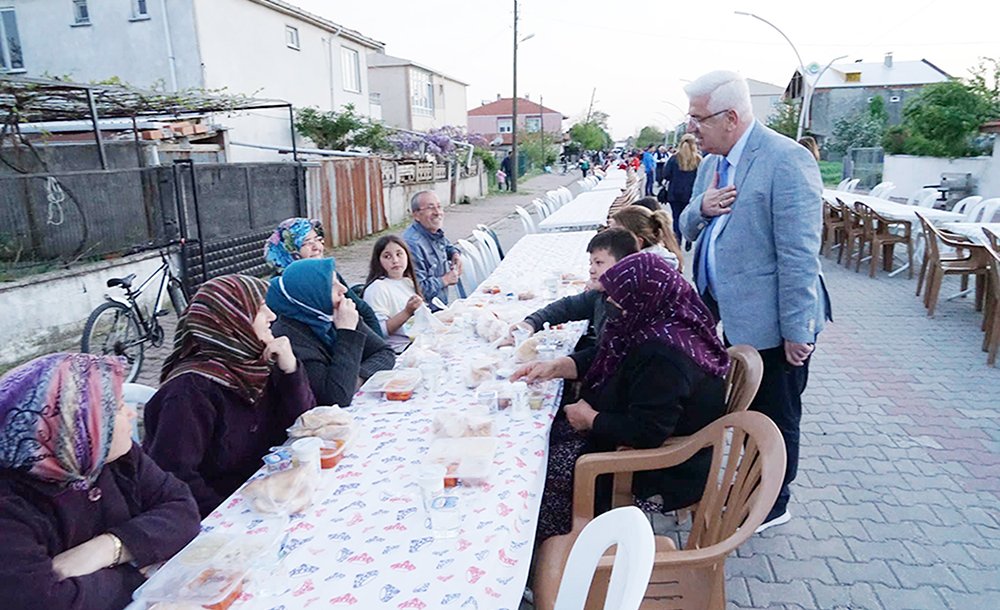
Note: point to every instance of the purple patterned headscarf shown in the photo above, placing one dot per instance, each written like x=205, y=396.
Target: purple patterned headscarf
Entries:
x=657, y=304
x=282, y=247
x=57, y=417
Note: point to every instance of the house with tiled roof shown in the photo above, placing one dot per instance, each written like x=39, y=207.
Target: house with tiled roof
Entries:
x=495, y=120
x=413, y=96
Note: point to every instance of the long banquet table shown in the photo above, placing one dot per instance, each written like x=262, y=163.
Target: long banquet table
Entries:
x=588, y=210
x=614, y=180
x=972, y=230
x=365, y=542
x=893, y=210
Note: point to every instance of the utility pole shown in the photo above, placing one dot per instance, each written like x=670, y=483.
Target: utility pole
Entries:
x=513, y=123
x=590, y=109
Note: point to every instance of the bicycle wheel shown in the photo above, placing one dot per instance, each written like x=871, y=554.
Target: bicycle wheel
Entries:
x=178, y=298
x=112, y=330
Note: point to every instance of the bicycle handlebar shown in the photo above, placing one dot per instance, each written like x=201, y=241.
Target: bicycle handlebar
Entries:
x=159, y=246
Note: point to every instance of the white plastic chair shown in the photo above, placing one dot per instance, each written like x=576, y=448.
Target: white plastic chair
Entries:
x=626, y=527
x=472, y=266
x=567, y=195
x=842, y=185
x=852, y=184
x=136, y=394
x=984, y=210
x=494, y=240
x=541, y=208
x=526, y=220
x=881, y=189
x=488, y=250
x=924, y=198
x=966, y=205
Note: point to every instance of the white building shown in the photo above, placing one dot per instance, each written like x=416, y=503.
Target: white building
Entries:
x=264, y=48
x=764, y=98
x=413, y=96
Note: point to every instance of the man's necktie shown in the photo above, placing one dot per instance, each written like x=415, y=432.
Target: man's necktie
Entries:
x=705, y=278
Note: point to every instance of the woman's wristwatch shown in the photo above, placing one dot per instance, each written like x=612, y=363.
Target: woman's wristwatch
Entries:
x=118, y=549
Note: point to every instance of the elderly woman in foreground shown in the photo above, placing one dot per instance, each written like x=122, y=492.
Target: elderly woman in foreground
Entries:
x=82, y=509
x=658, y=371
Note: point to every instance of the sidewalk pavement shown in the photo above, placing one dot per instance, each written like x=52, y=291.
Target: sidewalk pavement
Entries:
x=896, y=501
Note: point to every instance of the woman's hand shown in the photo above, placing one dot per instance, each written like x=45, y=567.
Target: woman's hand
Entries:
x=345, y=315
x=413, y=304
x=544, y=370
x=580, y=415
x=280, y=352
x=93, y=555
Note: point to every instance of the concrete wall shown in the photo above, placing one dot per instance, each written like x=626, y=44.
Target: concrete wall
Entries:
x=45, y=313
x=910, y=173
x=114, y=44
x=397, y=197
x=829, y=105
x=450, y=102
x=393, y=86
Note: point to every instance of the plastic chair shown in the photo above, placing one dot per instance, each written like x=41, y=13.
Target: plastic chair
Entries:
x=970, y=259
x=924, y=198
x=473, y=270
x=984, y=211
x=137, y=395
x=743, y=378
x=883, y=239
x=541, y=207
x=966, y=205
x=853, y=184
x=489, y=258
x=748, y=465
x=842, y=185
x=493, y=237
x=834, y=221
x=882, y=189
x=855, y=229
x=526, y=220
x=991, y=318
x=626, y=527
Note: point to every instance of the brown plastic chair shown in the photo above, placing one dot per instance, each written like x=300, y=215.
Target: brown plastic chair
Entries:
x=854, y=230
x=991, y=319
x=743, y=483
x=883, y=239
x=833, y=226
x=970, y=259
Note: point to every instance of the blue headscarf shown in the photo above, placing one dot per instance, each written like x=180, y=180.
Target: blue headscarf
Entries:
x=283, y=246
x=303, y=293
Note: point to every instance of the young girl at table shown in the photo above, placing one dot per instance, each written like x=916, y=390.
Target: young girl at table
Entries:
x=229, y=390
x=337, y=352
x=654, y=230
x=392, y=289
x=657, y=371
x=82, y=509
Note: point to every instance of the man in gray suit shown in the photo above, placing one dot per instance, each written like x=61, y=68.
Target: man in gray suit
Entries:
x=756, y=210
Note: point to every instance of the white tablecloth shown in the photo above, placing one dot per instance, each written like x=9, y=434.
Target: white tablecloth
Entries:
x=893, y=210
x=972, y=230
x=588, y=210
x=365, y=543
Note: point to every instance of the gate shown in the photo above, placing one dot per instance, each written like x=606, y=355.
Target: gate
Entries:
x=866, y=165
x=349, y=196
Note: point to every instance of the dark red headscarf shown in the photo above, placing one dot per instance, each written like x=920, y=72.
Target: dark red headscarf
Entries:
x=657, y=304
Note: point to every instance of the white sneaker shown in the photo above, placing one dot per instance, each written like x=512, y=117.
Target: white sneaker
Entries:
x=781, y=519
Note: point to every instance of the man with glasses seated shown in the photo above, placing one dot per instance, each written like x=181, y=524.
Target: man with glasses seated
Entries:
x=436, y=262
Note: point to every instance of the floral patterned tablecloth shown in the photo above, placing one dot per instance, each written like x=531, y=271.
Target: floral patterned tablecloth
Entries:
x=365, y=541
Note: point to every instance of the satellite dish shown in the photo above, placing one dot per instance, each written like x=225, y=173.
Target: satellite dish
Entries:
x=812, y=68
x=497, y=141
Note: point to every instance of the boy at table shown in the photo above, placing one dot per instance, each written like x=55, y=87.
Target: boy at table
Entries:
x=606, y=248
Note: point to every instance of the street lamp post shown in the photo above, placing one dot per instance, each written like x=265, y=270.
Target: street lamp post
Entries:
x=513, y=110
x=802, y=67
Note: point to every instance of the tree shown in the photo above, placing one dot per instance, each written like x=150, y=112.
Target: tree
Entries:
x=590, y=136
x=942, y=120
x=859, y=130
x=539, y=148
x=985, y=82
x=342, y=129
x=785, y=118
x=649, y=135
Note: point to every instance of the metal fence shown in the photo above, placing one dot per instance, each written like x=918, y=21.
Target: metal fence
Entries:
x=865, y=164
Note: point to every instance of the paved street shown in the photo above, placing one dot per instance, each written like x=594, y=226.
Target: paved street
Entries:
x=896, y=502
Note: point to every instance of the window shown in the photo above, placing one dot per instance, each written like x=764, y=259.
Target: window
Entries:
x=421, y=92
x=139, y=9
x=852, y=77
x=505, y=125
x=11, y=59
x=350, y=66
x=292, y=37
x=81, y=14
x=533, y=124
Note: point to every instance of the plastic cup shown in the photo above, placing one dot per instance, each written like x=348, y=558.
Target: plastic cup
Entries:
x=431, y=482
x=446, y=519
x=520, y=336
x=431, y=372
x=489, y=399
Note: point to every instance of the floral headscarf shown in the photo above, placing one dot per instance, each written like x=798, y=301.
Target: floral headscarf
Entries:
x=657, y=304
x=283, y=246
x=57, y=417
x=215, y=337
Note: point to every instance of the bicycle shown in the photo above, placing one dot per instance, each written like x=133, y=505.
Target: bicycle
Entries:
x=121, y=327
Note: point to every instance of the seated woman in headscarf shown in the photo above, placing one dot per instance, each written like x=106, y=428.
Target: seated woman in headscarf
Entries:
x=299, y=238
x=229, y=390
x=658, y=371
x=337, y=352
x=82, y=509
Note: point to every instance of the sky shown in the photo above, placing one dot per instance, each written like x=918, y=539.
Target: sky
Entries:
x=634, y=57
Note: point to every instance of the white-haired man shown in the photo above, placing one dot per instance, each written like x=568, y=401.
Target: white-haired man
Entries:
x=756, y=210
x=436, y=262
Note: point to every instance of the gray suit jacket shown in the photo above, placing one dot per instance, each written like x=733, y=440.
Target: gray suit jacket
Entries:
x=770, y=286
